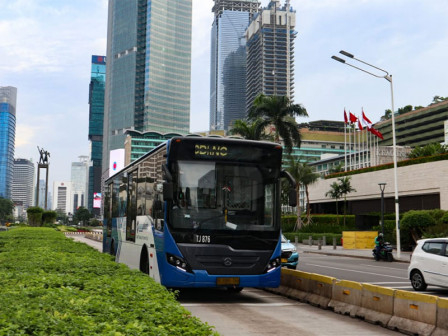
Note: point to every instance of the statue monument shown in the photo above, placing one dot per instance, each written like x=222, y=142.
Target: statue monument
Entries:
x=43, y=163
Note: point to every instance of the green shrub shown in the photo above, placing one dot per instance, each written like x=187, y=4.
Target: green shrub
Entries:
x=444, y=219
x=414, y=223
x=52, y=285
x=35, y=216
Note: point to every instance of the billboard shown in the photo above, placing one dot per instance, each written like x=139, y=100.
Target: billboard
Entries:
x=96, y=200
x=116, y=161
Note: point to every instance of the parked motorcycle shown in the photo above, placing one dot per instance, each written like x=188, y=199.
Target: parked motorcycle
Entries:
x=384, y=254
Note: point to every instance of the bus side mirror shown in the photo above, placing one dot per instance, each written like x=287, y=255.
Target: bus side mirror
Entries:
x=168, y=191
x=292, y=198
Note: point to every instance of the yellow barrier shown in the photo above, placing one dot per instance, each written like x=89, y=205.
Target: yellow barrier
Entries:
x=414, y=313
x=346, y=297
x=359, y=239
x=377, y=304
x=442, y=318
x=319, y=288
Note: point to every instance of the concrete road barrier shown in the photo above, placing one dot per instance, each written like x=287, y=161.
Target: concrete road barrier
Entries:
x=377, y=304
x=346, y=297
x=442, y=318
x=319, y=288
x=414, y=313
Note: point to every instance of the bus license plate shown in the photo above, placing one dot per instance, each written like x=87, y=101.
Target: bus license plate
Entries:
x=227, y=281
x=284, y=260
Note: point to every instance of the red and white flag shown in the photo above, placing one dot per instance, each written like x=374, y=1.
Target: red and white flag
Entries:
x=366, y=121
x=353, y=118
x=360, y=125
x=377, y=133
x=345, y=117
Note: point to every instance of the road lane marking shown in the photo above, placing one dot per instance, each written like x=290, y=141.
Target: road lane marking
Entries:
x=363, y=272
x=391, y=268
x=388, y=283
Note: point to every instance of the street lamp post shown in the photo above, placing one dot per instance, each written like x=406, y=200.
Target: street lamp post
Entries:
x=389, y=79
x=382, y=187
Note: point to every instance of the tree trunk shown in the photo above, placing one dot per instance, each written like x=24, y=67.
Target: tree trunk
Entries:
x=345, y=208
x=299, y=223
x=308, y=210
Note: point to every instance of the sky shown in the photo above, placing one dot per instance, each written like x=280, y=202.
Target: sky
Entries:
x=46, y=48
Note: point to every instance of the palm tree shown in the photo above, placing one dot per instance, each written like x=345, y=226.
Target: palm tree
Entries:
x=279, y=112
x=335, y=192
x=304, y=176
x=249, y=130
x=345, y=188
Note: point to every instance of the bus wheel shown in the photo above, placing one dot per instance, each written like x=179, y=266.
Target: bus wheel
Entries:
x=144, y=261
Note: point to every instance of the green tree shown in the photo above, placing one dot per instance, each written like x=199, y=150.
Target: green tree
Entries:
x=414, y=222
x=249, y=130
x=279, y=112
x=335, y=193
x=345, y=187
x=82, y=215
x=6, y=210
x=428, y=150
x=304, y=176
x=438, y=99
x=34, y=216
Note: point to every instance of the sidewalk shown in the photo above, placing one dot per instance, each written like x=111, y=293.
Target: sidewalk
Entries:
x=354, y=253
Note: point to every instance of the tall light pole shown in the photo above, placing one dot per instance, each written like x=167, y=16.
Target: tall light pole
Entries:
x=382, y=187
x=389, y=79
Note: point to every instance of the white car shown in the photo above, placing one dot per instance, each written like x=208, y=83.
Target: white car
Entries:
x=429, y=264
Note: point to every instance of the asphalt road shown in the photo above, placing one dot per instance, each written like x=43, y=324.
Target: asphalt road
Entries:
x=381, y=273
x=255, y=312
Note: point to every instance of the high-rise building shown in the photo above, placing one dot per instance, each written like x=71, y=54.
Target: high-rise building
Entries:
x=23, y=183
x=148, y=69
x=62, y=197
x=270, y=52
x=228, y=61
x=79, y=183
x=8, y=100
x=96, y=117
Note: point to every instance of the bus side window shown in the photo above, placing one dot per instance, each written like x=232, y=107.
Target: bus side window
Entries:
x=158, y=213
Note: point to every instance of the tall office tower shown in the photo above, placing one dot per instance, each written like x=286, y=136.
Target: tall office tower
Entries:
x=96, y=117
x=270, y=53
x=228, y=61
x=62, y=197
x=79, y=179
x=23, y=183
x=148, y=69
x=8, y=100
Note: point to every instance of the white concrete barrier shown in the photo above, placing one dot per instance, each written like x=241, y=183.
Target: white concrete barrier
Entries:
x=377, y=304
x=414, y=313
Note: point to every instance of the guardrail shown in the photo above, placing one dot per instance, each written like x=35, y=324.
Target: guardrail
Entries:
x=98, y=236
x=408, y=312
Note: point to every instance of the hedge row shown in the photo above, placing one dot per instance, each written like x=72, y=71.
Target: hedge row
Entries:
x=320, y=224
x=52, y=285
x=404, y=163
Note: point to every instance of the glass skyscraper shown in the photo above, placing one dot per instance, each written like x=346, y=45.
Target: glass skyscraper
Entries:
x=23, y=183
x=96, y=118
x=228, y=61
x=148, y=69
x=8, y=100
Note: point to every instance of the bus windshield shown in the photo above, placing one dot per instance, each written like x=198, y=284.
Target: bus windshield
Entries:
x=223, y=196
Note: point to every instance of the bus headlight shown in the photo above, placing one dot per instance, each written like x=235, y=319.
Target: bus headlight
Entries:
x=178, y=262
x=273, y=264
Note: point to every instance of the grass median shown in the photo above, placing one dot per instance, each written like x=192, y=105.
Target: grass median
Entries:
x=51, y=285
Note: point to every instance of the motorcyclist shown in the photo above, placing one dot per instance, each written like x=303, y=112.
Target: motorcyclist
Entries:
x=379, y=242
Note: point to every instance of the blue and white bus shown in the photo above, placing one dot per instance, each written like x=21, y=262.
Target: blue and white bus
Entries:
x=199, y=212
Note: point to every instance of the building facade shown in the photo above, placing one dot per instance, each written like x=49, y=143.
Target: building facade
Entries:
x=62, y=197
x=79, y=183
x=148, y=69
x=23, y=183
x=8, y=101
x=96, y=124
x=270, y=52
x=228, y=61
x=417, y=128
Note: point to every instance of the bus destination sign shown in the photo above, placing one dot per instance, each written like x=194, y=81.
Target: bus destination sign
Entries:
x=210, y=151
